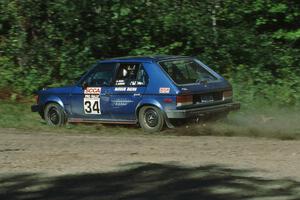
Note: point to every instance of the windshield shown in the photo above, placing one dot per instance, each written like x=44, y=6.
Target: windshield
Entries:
x=186, y=71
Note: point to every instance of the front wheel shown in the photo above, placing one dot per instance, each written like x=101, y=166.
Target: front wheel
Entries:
x=151, y=119
x=54, y=115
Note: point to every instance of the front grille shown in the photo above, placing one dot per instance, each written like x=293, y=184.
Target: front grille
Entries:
x=207, y=97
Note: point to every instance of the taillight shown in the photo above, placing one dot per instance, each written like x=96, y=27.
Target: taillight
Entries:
x=184, y=100
x=227, y=95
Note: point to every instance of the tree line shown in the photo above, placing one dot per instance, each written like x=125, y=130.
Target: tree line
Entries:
x=254, y=43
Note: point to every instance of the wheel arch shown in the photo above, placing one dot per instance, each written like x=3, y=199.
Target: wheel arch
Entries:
x=148, y=102
x=52, y=99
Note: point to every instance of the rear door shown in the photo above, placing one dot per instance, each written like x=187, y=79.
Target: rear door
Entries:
x=129, y=87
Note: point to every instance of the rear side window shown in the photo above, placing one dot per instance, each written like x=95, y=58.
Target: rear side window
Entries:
x=186, y=71
x=131, y=74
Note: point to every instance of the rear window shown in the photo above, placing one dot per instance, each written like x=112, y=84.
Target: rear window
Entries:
x=187, y=71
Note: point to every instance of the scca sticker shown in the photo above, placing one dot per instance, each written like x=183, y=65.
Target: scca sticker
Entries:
x=164, y=90
x=91, y=101
x=92, y=90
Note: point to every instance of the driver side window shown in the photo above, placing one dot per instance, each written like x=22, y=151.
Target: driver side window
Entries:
x=101, y=75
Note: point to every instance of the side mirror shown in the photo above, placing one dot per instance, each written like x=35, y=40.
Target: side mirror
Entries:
x=84, y=85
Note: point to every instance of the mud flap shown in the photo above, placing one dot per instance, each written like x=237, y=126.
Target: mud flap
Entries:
x=168, y=123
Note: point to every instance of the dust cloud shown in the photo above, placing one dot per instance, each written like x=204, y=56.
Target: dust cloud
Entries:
x=264, y=122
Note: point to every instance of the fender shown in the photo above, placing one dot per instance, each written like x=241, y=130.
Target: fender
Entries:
x=54, y=99
x=49, y=99
x=146, y=101
x=156, y=103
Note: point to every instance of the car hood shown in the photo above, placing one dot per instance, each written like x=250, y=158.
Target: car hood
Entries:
x=57, y=90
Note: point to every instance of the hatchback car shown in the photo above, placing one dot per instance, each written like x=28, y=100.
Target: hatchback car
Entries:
x=149, y=91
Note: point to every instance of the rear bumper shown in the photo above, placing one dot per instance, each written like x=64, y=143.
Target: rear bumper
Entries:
x=195, y=112
x=35, y=108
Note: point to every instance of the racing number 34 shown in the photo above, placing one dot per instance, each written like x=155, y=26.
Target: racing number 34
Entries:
x=92, y=106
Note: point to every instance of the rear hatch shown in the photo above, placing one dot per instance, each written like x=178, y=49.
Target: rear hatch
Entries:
x=199, y=95
x=204, y=95
x=198, y=84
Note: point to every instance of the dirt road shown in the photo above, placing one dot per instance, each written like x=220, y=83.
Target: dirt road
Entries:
x=64, y=155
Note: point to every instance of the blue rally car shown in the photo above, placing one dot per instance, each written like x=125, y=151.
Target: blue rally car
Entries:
x=149, y=91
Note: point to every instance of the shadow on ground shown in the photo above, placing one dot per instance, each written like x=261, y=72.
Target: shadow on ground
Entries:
x=150, y=181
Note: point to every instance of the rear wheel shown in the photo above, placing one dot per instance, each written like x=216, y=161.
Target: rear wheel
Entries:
x=54, y=115
x=151, y=119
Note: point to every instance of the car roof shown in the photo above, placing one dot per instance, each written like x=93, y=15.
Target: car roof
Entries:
x=155, y=58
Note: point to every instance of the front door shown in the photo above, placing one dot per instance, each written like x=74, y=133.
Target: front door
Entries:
x=88, y=101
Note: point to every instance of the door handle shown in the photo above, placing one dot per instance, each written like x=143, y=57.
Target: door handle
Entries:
x=106, y=94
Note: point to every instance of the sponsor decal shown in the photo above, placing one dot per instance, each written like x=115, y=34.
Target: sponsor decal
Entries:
x=118, y=102
x=120, y=89
x=92, y=90
x=124, y=89
x=164, y=90
x=132, y=89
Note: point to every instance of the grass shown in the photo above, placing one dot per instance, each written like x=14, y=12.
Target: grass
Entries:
x=267, y=122
x=19, y=116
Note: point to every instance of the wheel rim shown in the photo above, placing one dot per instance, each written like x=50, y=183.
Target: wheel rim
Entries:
x=53, y=116
x=151, y=118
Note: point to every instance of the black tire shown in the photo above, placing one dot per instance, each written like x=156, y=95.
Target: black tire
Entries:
x=151, y=119
x=54, y=115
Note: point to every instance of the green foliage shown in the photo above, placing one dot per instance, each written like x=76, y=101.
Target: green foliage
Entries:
x=254, y=43
x=255, y=86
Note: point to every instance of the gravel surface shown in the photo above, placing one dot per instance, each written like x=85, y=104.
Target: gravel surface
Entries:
x=40, y=165
x=57, y=154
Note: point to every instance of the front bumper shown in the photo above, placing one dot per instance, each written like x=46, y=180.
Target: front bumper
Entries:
x=35, y=108
x=197, y=112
